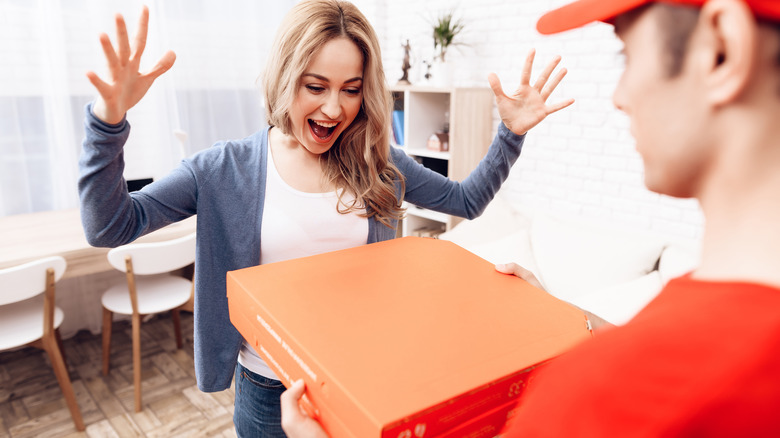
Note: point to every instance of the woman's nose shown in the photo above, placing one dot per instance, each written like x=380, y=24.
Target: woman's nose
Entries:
x=332, y=106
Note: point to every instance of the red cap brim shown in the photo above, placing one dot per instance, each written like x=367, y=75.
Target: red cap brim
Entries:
x=583, y=12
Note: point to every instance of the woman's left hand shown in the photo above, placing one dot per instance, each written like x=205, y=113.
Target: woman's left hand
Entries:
x=528, y=105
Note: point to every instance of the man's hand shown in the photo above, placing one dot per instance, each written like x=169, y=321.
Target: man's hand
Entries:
x=528, y=105
x=295, y=422
x=596, y=322
x=126, y=85
x=521, y=272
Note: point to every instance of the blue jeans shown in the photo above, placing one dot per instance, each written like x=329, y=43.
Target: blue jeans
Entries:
x=257, y=410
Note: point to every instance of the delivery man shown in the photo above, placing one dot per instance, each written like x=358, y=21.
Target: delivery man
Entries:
x=701, y=87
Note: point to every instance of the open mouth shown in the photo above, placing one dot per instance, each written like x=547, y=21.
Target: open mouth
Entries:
x=323, y=131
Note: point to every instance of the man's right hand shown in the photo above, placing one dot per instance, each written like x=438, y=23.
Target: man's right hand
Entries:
x=520, y=272
x=596, y=322
x=126, y=85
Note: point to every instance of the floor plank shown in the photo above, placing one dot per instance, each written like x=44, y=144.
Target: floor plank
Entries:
x=31, y=402
x=206, y=403
x=125, y=426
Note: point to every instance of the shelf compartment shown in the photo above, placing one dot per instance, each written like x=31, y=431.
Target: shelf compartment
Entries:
x=428, y=153
x=413, y=210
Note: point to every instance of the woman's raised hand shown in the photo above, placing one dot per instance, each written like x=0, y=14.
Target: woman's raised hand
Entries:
x=126, y=85
x=528, y=105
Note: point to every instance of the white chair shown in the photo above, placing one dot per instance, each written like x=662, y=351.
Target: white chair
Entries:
x=26, y=318
x=151, y=288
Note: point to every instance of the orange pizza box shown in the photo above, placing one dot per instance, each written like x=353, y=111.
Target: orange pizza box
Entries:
x=408, y=338
x=487, y=425
x=491, y=423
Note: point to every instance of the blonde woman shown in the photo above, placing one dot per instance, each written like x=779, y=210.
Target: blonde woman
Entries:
x=321, y=177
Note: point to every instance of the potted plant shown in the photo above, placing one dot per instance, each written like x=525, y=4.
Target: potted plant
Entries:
x=445, y=29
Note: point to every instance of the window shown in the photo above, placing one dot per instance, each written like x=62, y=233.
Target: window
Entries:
x=46, y=47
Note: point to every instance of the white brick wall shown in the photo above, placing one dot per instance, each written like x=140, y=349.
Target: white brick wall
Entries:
x=580, y=161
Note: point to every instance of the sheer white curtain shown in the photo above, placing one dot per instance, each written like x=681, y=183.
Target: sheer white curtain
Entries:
x=210, y=94
x=46, y=46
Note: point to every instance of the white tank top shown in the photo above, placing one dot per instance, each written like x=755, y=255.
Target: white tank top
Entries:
x=298, y=224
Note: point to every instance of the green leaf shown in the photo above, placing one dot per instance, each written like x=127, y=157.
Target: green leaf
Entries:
x=445, y=29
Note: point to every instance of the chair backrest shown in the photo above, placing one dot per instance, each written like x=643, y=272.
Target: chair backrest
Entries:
x=155, y=257
x=28, y=280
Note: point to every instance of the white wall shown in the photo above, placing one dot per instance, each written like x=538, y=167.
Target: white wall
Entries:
x=579, y=162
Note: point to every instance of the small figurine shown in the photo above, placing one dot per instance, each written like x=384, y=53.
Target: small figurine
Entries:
x=406, y=65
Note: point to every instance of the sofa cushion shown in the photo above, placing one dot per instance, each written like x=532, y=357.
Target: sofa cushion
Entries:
x=499, y=235
x=497, y=221
x=678, y=259
x=510, y=248
x=575, y=259
x=619, y=303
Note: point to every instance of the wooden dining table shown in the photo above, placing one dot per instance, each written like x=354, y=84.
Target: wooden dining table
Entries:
x=27, y=237
x=88, y=274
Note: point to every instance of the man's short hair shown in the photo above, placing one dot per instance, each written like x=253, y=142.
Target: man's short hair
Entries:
x=677, y=23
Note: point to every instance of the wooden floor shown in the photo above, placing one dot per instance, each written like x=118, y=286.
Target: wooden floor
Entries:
x=31, y=403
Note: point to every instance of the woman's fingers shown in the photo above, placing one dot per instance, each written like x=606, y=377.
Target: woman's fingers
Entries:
x=163, y=65
x=550, y=86
x=290, y=397
x=558, y=106
x=495, y=85
x=108, y=50
x=140, y=34
x=525, y=78
x=545, y=74
x=122, y=41
x=102, y=87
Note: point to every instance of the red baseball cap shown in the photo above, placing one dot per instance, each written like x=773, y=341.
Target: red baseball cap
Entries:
x=582, y=12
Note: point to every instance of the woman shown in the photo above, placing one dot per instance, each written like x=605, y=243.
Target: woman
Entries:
x=322, y=177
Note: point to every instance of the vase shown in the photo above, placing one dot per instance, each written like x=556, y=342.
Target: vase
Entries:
x=440, y=74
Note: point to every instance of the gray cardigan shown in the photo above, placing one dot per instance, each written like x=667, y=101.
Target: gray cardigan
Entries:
x=225, y=186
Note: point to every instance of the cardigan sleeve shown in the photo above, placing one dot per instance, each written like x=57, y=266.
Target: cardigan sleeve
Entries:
x=470, y=197
x=110, y=215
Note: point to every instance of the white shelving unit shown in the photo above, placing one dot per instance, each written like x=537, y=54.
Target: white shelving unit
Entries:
x=468, y=113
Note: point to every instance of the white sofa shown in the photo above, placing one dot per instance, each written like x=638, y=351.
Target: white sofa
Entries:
x=607, y=270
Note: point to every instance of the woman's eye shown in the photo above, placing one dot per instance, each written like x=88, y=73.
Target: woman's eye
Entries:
x=315, y=88
x=353, y=91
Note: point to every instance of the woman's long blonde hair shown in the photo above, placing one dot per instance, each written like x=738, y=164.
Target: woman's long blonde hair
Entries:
x=359, y=161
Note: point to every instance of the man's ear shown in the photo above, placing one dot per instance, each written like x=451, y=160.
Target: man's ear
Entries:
x=729, y=32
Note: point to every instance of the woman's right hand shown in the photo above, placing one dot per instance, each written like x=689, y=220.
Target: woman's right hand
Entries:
x=126, y=85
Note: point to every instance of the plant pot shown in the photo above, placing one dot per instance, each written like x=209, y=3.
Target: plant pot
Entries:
x=440, y=74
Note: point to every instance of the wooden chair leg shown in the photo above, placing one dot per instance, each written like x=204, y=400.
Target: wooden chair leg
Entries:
x=60, y=370
x=107, y=322
x=59, y=345
x=137, y=360
x=177, y=327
